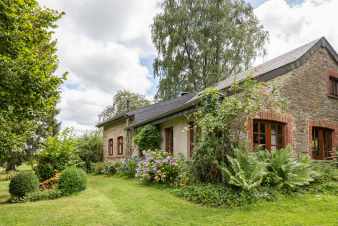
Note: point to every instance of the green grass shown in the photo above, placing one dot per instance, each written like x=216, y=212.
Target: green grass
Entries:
x=117, y=201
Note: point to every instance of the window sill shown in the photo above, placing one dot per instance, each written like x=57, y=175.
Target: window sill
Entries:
x=333, y=97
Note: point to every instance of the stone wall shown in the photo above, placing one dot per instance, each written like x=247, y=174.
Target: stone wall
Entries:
x=113, y=131
x=306, y=89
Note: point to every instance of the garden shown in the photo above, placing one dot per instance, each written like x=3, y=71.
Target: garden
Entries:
x=225, y=182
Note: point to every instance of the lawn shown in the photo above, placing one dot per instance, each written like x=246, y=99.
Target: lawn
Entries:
x=118, y=201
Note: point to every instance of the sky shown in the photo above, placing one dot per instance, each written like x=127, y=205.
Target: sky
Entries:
x=106, y=46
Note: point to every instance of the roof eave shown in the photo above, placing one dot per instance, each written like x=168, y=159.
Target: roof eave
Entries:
x=116, y=118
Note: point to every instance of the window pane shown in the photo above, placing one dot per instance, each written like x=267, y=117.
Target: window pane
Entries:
x=262, y=139
x=255, y=139
x=315, y=142
x=273, y=138
x=262, y=125
x=255, y=127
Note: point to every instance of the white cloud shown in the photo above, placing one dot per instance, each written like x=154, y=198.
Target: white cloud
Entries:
x=100, y=44
x=293, y=26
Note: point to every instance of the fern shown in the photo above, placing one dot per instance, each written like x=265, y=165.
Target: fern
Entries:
x=244, y=170
x=285, y=171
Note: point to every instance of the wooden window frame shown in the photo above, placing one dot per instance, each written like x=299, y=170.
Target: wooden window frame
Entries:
x=191, y=139
x=333, y=86
x=120, y=145
x=169, y=140
x=321, y=141
x=332, y=81
x=326, y=124
x=111, y=146
x=267, y=134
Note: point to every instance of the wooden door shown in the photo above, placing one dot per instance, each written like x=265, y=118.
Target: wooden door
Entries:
x=169, y=140
x=321, y=143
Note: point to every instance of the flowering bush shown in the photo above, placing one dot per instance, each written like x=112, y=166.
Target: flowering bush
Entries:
x=158, y=166
x=128, y=167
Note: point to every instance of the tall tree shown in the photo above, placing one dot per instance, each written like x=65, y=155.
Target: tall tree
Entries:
x=200, y=42
x=47, y=126
x=29, y=89
x=124, y=101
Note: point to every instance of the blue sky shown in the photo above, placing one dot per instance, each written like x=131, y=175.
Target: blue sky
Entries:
x=106, y=46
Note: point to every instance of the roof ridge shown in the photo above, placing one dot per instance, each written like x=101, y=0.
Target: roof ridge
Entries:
x=157, y=103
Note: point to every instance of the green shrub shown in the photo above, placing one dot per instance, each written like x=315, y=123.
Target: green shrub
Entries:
x=245, y=170
x=44, y=171
x=148, y=138
x=216, y=195
x=185, y=176
x=128, y=167
x=23, y=183
x=285, y=171
x=99, y=168
x=90, y=149
x=44, y=195
x=109, y=169
x=59, y=151
x=72, y=180
x=326, y=179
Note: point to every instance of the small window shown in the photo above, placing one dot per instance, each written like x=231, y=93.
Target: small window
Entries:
x=110, y=147
x=268, y=135
x=120, y=145
x=334, y=86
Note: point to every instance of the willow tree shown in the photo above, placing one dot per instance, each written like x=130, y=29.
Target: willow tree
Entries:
x=200, y=42
x=29, y=89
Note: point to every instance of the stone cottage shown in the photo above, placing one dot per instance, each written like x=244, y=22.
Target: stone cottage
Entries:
x=306, y=76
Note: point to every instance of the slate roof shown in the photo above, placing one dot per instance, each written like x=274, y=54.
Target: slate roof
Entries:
x=154, y=111
x=264, y=72
x=159, y=109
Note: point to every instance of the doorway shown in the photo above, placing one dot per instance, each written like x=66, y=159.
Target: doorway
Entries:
x=321, y=143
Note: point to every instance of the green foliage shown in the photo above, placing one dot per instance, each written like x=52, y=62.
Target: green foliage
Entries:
x=124, y=101
x=158, y=166
x=185, y=175
x=148, y=138
x=44, y=195
x=201, y=42
x=23, y=183
x=59, y=151
x=99, y=168
x=221, y=120
x=72, y=180
x=216, y=195
x=244, y=171
x=89, y=147
x=128, y=167
x=286, y=171
x=29, y=90
x=109, y=169
x=326, y=178
x=44, y=171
